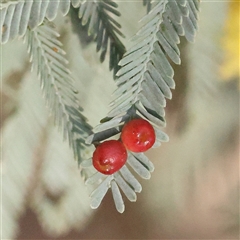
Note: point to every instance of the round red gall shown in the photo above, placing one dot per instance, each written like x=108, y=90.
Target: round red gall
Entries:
x=138, y=135
x=109, y=157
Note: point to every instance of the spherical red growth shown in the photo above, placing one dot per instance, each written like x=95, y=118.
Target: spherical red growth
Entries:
x=109, y=156
x=138, y=135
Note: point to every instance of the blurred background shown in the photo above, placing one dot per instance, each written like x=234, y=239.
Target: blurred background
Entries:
x=194, y=190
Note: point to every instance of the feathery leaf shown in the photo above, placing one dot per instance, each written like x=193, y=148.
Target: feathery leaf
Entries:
x=18, y=16
x=97, y=15
x=48, y=58
x=145, y=80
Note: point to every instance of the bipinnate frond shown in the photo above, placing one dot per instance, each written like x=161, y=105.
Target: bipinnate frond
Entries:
x=17, y=16
x=48, y=59
x=144, y=82
x=146, y=75
x=98, y=16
